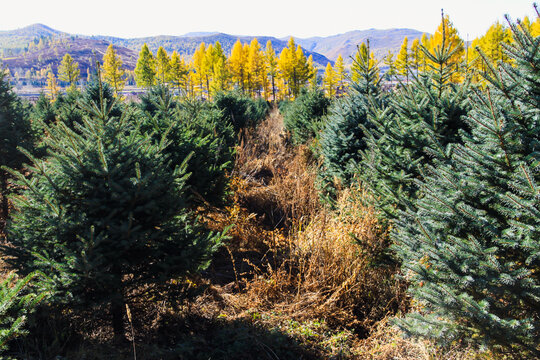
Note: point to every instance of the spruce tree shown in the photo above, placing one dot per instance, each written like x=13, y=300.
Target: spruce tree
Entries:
x=471, y=249
x=343, y=138
x=105, y=213
x=416, y=128
x=15, y=130
x=305, y=116
x=196, y=130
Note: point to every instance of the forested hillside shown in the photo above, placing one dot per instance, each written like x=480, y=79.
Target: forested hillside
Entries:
x=244, y=206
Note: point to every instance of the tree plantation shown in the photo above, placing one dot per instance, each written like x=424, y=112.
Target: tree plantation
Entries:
x=252, y=205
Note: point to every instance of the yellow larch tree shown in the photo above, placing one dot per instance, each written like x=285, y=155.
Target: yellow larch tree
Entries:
x=200, y=68
x=312, y=72
x=363, y=54
x=113, y=73
x=162, y=65
x=255, y=67
x=415, y=56
x=491, y=46
x=271, y=64
x=178, y=72
x=68, y=71
x=52, y=85
x=238, y=65
x=446, y=33
x=341, y=73
x=402, y=60
x=293, y=67
x=330, y=81
x=217, y=73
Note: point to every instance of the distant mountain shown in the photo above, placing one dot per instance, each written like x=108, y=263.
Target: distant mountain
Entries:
x=16, y=40
x=85, y=51
x=381, y=41
x=186, y=45
x=38, y=46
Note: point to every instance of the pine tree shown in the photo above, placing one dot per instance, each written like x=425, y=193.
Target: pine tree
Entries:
x=145, y=73
x=343, y=138
x=17, y=301
x=105, y=214
x=471, y=248
x=255, y=67
x=113, y=74
x=68, y=71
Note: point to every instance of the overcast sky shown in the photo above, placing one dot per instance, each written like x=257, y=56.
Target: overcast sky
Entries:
x=301, y=18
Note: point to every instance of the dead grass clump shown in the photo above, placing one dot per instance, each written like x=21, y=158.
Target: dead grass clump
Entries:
x=278, y=178
x=387, y=343
x=327, y=274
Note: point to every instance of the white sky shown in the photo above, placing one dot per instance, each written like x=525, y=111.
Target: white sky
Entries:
x=301, y=18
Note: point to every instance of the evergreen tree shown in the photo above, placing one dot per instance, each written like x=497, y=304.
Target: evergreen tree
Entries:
x=471, y=249
x=17, y=301
x=304, y=117
x=193, y=129
x=414, y=130
x=145, y=73
x=104, y=214
x=343, y=138
x=15, y=131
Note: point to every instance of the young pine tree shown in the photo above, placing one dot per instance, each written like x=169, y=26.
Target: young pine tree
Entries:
x=471, y=249
x=105, y=213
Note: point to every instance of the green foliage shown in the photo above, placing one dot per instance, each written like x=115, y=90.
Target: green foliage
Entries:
x=342, y=141
x=304, y=117
x=15, y=130
x=196, y=130
x=414, y=130
x=241, y=110
x=470, y=246
x=105, y=213
x=16, y=302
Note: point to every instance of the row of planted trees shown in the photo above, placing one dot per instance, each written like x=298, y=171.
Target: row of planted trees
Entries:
x=104, y=194
x=249, y=68
x=453, y=169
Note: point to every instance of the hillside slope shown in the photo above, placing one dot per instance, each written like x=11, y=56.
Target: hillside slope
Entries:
x=381, y=41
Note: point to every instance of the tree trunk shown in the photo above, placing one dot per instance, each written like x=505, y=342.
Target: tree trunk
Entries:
x=118, y=307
